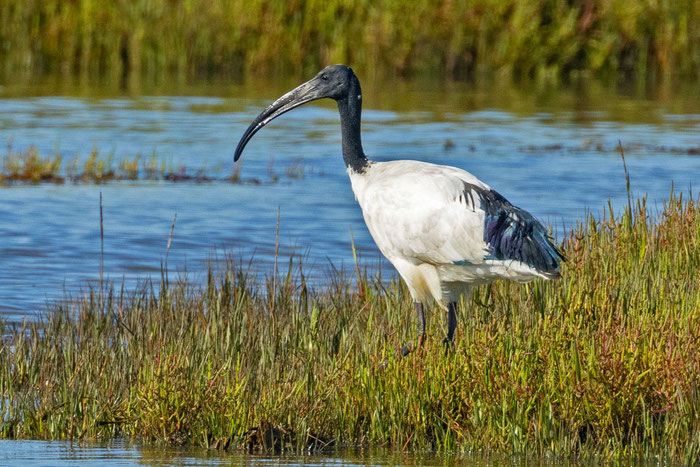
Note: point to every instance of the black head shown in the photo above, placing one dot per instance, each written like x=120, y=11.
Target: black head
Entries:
x=334, y=82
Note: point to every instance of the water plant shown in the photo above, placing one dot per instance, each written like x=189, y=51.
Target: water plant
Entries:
x=603, y=362
x=520, y=39
x=31, y=167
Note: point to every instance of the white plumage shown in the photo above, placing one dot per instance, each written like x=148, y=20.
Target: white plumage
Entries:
x=430, y=229
x=442, y=228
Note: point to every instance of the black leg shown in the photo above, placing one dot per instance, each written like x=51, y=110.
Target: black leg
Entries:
x=420, y=326
x=420, y=321
x=451, y=325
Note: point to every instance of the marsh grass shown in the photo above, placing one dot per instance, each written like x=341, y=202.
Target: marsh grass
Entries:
x=31, y=167
x=604, y=362
x=521, y=39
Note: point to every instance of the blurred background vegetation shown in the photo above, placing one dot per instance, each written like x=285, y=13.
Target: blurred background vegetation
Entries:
x=541, y=40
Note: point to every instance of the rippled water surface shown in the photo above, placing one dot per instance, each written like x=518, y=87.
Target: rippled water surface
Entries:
x=34, y=453
x=62, y=453
x=552, y=153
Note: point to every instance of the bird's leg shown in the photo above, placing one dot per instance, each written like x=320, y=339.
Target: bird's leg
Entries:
x=420, y=322
x=420, y=325
x=451, y=325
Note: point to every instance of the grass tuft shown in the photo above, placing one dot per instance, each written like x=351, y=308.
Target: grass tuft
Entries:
x=30, y=167
x=601, y=363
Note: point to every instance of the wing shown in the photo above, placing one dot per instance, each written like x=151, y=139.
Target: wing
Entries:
x=512, y=233
x=445, y=216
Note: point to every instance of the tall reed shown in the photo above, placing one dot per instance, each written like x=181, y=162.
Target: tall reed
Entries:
x=544, y=39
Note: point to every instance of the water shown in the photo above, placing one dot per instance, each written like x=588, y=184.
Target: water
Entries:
x=549, y=151
x=59, y=453
x=31, y=453
x=553, y=154
x=35, y=453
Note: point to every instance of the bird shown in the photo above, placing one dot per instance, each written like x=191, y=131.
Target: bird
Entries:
x=444, y=230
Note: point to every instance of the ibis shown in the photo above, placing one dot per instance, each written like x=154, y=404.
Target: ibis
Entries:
x=443, y=229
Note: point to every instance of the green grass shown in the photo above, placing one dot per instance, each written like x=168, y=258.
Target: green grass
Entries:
x=520, y=39
x=31, y=167
x=601, y=363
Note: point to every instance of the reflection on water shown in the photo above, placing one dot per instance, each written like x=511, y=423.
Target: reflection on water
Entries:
x=30, y=453
x=553, y=154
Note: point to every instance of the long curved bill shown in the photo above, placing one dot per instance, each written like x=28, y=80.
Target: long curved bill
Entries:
x=300, y=95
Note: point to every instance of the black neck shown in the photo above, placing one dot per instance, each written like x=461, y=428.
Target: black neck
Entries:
x=350, y=108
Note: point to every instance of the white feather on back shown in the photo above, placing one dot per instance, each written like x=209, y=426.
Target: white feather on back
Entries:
x=420, y=216
x=418, y=210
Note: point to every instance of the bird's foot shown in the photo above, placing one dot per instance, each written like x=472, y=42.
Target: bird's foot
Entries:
x=404, y=351
x=449, y=344
x=408, y=348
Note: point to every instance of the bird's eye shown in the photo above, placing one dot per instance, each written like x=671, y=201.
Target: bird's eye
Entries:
x=324, y=77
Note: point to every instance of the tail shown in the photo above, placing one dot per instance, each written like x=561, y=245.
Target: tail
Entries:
x=512, y=233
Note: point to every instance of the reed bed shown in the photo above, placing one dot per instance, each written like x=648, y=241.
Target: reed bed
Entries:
x=520, y=39
x=603, y=363
x=31, y=167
